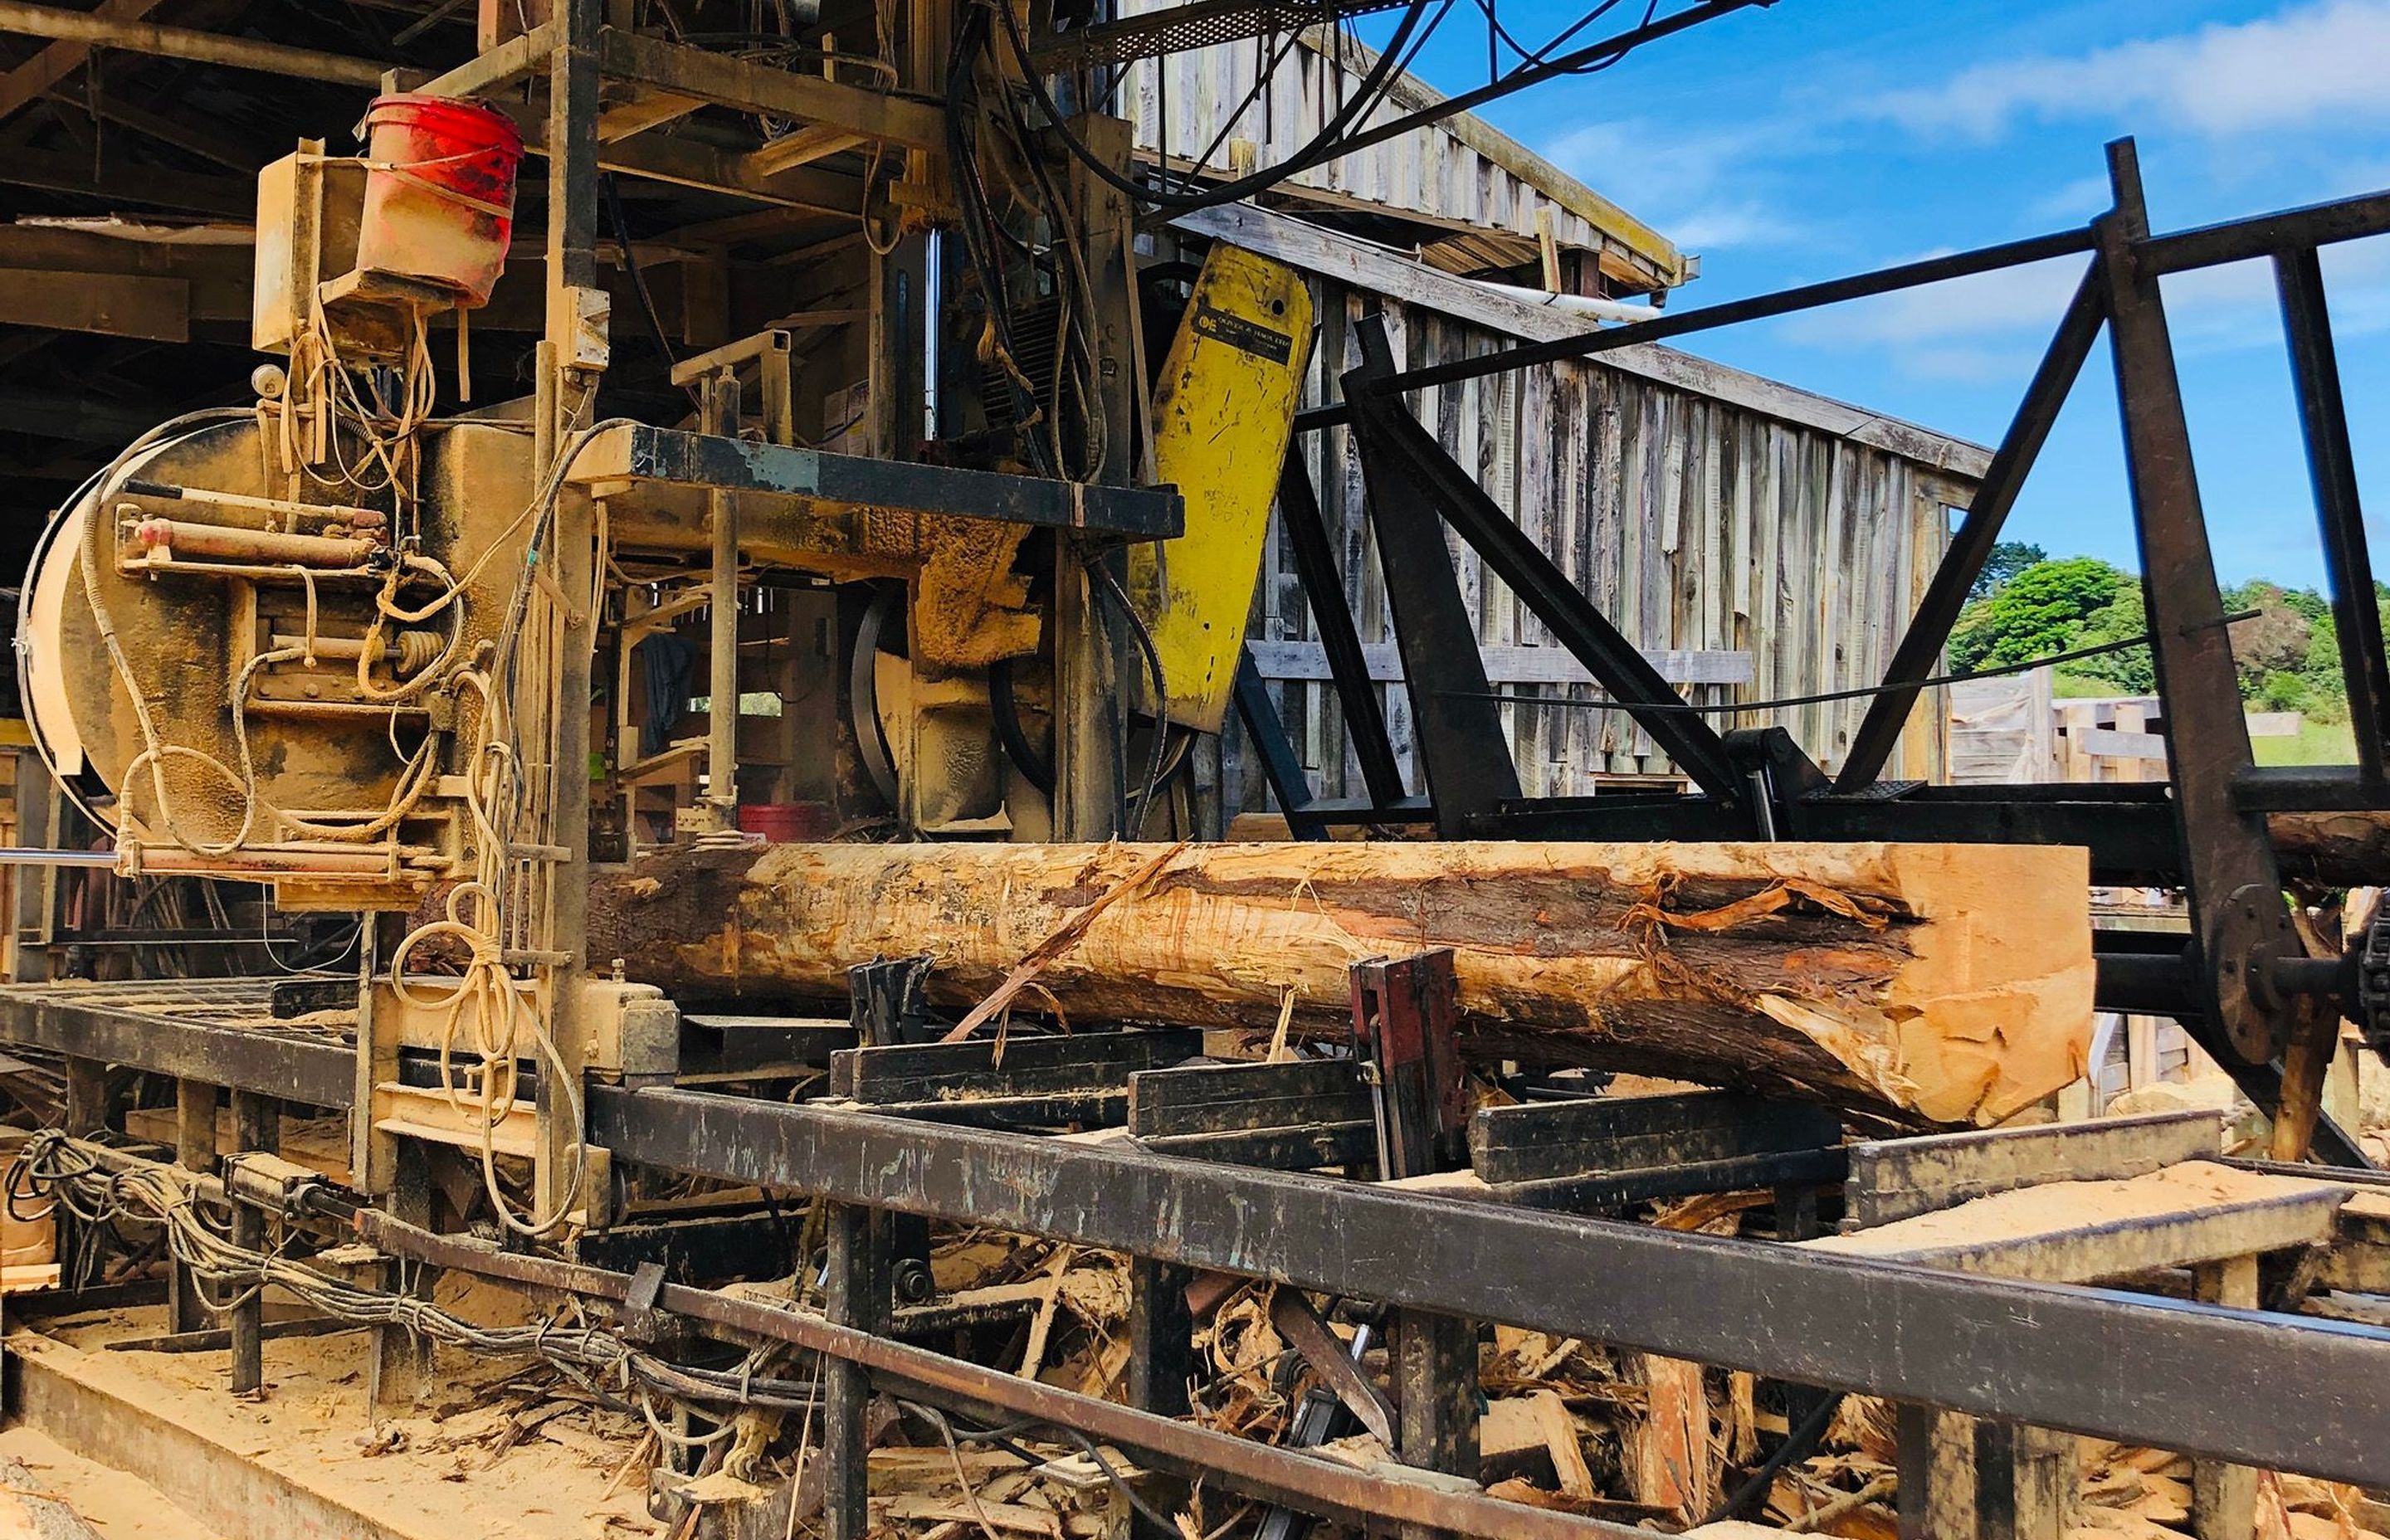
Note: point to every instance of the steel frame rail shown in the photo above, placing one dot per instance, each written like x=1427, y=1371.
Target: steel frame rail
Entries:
x=2107, y=1364
x=2132, y=1368
x=2247, y=990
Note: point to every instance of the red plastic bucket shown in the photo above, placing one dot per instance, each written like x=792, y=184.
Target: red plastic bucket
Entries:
x=440, y=192
x=786, y=822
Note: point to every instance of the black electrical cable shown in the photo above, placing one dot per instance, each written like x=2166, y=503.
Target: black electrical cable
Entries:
x=639, y=279
x=1322, y=147
x=1798, y=1443
x=1858, y=692
x=1543, y=55
x=1000, y=1437
x=1004, y=703
x=1327, y=144
x=1109, y=587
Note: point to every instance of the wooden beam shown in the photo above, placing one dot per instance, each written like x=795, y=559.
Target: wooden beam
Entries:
x=146, y=37
x=88, y=420
x=753, y=87
x=185, y=136
x=1405, y=91
x=111, y=305
x=136, y=185
x=1504, y=665
x=495, y=69
x=218, y=277
x=807, y=145
x=644, y=111
x=688, y=164
x=29, y=81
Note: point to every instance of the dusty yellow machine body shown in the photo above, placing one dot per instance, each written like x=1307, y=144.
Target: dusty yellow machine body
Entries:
x=268, y=682
x=1222, y=414
x=338, y=645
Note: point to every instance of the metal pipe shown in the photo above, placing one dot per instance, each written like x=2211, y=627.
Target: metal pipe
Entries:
x=721, y=414
x=148, y=37
x=1280, y=1475
x=1913, y=275
x=181, y=537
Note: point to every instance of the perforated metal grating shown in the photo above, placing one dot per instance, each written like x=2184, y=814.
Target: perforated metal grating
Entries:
x=1180, y=28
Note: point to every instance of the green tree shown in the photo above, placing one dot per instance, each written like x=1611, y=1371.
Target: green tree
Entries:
x=2121, y=619
x=2327, y=688
x=2007, y=559
x=2275, y=638
x=2038, y=611
x=2283, y=691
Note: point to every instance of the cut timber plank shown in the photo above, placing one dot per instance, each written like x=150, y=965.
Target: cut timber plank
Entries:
x=1921, y=983
x=1901, y=1178
x=2078, y=1232
x=1669, y=1463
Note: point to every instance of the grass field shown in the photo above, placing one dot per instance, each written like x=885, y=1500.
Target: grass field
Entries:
x=2317, y=743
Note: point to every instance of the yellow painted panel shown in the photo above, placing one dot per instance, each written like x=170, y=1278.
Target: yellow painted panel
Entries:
x=1222, y=414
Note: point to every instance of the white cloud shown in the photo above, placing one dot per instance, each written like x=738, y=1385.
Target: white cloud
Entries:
x=1696, y=188
x=2077, y=200
x=1962, y=309
x=2310, y=64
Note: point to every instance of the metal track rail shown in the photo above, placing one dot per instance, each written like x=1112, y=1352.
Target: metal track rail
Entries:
x=2131, y=1367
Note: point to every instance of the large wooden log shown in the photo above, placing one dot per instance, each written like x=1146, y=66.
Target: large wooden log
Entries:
x=1921, y=983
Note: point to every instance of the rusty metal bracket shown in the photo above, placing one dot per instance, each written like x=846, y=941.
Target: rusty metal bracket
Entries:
x=1405, y=1014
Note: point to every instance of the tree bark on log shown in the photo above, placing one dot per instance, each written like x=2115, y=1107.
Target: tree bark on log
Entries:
x=1938, y=984
x=2340, y=850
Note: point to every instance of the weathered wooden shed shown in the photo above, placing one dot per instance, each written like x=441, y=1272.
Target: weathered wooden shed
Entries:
x=1469, y=198
x=1756, y=540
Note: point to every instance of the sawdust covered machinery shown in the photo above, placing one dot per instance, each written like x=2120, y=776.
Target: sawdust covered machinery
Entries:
x=338, y=644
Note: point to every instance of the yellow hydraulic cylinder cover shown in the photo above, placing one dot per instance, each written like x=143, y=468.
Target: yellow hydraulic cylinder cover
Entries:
x=1222, y=415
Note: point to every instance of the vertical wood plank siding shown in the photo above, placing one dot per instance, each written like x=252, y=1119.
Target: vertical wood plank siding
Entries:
x=1694, y=522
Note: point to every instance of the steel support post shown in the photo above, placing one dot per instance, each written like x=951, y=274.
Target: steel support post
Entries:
x=1331, y=616
x=1160, y=1335
x=1465, y=759
x=1935, y=1459
x=575, y=358
x=1405, y=447
x=257, y=1126
x=399, y=1369
x=86, y=1108
x=1988, y=511
x=2331, y=466
x=2024, y=1477
x=1436, y=1397
x=195, y=1149
x=2236, y=894
x=2224, y=1496
x=858, y=1297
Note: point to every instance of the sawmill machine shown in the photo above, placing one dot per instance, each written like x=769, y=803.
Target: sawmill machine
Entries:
x=335, y=643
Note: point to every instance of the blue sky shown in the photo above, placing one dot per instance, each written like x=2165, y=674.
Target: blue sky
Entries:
x=1820, y=137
